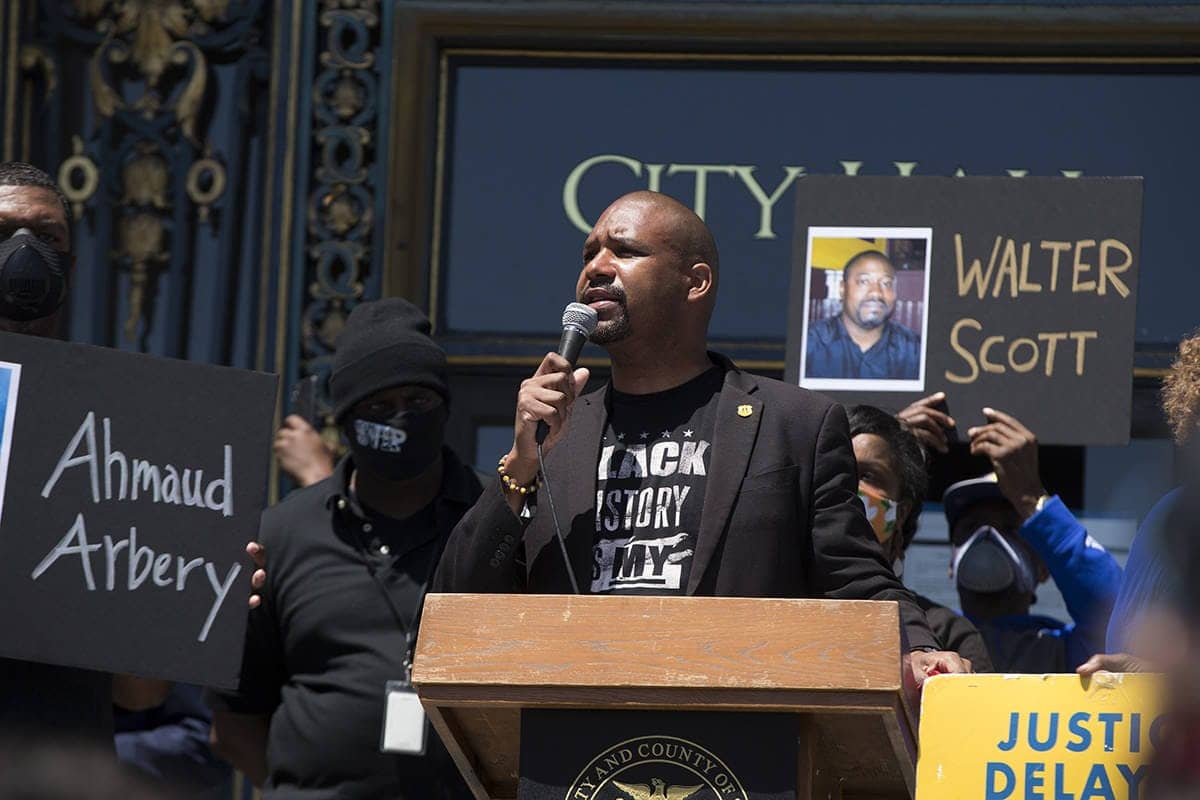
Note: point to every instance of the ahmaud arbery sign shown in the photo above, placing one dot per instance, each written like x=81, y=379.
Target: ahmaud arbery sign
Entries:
x=132, y=485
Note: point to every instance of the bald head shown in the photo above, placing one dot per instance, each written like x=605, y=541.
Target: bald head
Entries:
x=690, y=236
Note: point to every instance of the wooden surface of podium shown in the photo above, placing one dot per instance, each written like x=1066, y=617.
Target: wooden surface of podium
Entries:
x=481, y=659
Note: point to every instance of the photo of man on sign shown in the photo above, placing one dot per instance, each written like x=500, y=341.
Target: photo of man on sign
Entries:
x=866, y=299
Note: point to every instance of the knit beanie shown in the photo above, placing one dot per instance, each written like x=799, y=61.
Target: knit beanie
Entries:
x=385, y=343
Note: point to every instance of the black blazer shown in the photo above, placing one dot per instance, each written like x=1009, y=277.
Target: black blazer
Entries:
x=781, y=515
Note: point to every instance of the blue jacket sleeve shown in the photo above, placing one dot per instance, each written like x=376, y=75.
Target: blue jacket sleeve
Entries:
x=1086, y=574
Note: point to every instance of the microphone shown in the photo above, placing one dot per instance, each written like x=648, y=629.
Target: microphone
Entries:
x=578, y=323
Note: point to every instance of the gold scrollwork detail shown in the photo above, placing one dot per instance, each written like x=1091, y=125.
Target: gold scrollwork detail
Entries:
x=187, y=106
x=330, y=328
x=151, y=35
x=150, y=80
x=347, y=98
x=142, y=244
x=78, y=176
x=145, y=180
x=34, y=56
x=205, y=184
x=340, y=211
x=104, y=97
x=151, y=26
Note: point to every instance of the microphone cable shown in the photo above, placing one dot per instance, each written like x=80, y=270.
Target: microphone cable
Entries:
x=562, y=544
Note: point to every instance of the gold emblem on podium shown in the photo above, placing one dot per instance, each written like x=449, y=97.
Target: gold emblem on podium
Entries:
x=657, y=790
x=656, y=768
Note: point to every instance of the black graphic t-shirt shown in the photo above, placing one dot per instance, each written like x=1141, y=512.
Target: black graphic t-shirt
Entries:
x=650, y=481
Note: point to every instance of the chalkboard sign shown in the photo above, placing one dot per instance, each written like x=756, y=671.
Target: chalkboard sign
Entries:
x=1012, y=293
x=129, y=487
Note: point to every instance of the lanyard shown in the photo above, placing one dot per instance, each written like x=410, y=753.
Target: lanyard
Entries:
x=409, y=628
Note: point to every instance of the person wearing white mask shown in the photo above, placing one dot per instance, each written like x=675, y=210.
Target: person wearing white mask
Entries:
x=1009, y=535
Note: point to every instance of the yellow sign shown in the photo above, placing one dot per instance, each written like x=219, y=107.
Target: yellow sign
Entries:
x=1038, y=737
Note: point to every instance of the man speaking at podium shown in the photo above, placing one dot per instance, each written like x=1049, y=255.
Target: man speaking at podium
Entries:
x=684, y=476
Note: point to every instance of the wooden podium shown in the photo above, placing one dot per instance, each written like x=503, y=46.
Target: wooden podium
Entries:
x=483, y=658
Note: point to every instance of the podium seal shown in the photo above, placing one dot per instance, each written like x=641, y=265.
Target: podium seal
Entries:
x=656, y=768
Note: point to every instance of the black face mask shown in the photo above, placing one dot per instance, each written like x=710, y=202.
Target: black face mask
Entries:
x=399, y=448
x=33, y=277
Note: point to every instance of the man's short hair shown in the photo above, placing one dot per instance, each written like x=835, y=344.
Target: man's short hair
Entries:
x=1181, y=390
x=863, y=256
x=18, y=173
x=907, y=457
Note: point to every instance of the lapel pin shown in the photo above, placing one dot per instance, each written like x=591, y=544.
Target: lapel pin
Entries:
x=745, y=410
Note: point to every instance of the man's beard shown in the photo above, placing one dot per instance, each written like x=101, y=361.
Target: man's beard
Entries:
x=613, y=330
x=875, y=322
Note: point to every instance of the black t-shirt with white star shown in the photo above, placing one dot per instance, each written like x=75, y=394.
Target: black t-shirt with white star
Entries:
x=650, y=482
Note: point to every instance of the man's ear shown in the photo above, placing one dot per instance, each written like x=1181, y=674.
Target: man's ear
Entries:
x=702, y=281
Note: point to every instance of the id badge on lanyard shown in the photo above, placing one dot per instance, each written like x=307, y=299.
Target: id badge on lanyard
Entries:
x=404, y=724
x=404, y=728
x=405, y=731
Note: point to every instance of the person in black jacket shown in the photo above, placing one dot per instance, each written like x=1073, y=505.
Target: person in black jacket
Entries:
x=679, y=431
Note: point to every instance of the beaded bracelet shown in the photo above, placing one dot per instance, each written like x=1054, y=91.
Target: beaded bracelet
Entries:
x=512, y=485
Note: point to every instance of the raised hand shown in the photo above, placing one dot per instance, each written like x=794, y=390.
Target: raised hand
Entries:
x=928, y=423
x=302, y=452
x=1013, y=450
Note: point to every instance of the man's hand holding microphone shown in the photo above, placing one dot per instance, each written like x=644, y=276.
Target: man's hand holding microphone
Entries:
x=544, y=402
